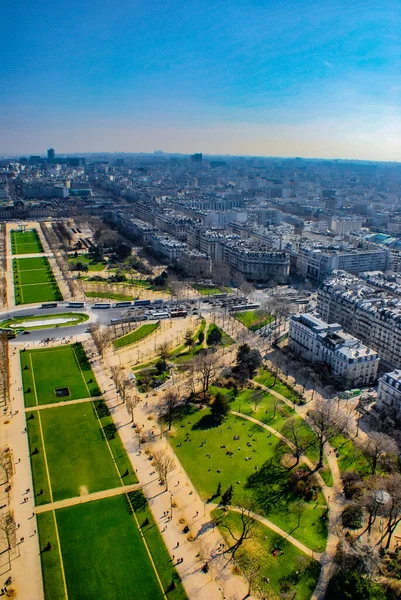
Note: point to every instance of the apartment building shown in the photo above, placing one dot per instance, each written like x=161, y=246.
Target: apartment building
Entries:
x=317, y=262
x=167, y=246
x=353, y=363
x=195, y=263
x=371, y=313
x=389, y=392
x=255, y=262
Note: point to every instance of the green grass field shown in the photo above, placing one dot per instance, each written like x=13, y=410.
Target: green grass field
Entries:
x=266, y=378
x=291, y=573
x=254, y=471
x=135, y=336
x=271, y=411
x=79, y=459
x=44, y=371
x=84, y=259
x=71, y=319
x=26, y=242
x=109, y=296
x=103, y=553
x=205, y=290
x=226, y=340
x=34, y=281
x=254, y=319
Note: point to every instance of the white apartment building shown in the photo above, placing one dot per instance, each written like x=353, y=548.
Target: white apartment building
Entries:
x=195, y=263
x=316, y=263
x=389, y=392
x=372, y=315
x=316, y=341
x=168, y=246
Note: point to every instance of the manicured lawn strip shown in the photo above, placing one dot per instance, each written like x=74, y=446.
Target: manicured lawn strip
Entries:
x=267, y=485
x=75, y=319
x=77, y=454
x=266, y=378
x=50, y=559
x=26, y=242
x=39, y=474
x=135, y=336
x=86, y=260
x=109, y=296
x=254, y=319
x=205, y=290
x=103, y=553
x=34, y=281
x=157, y=548
x=226, y=340
x=116, y=446
x=42, y=292
x=293, y=567
x=53, y=368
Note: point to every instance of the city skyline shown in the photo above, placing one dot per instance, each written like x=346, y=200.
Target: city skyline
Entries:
x=289, y=79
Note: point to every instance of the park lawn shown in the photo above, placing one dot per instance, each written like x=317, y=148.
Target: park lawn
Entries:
x=27, y=264
x=137, y=335
x=182, y=354
x=50, y=559
x=75, y=319
x=45, y=370
x=109, y=296
x=267, y=485
x=33, y=276
x=86, y=260
x=351, y=457
x=206, y=290
x=226, y=340
x=26, y=242
x=38, y=464
x=276, y=419
x=254, y=319
x=292, y=571
x=42, y=292
x=266, y=378
x=157, y=548
x=103, y=553
x=116, y=446
x=78, y=458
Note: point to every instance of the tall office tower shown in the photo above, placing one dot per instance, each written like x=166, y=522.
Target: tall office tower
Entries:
x=196, y=159
x=51, y=155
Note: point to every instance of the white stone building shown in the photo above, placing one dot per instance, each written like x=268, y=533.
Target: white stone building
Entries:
x=389, y=391
x=319, y=342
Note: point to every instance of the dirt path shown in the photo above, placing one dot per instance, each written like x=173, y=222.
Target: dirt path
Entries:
x=57, y=404
x=87, y=498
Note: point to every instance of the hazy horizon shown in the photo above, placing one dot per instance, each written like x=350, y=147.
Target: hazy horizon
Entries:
x=310, y=79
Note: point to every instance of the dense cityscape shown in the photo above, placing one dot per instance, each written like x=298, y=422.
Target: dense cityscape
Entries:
x=200, y=377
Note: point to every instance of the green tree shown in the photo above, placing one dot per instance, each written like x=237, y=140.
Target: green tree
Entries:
x=201, y=337
x=214, y=338
x=220, y=407
x=346, y=585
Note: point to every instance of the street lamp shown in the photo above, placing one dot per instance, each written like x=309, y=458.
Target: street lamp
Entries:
x=171, y=506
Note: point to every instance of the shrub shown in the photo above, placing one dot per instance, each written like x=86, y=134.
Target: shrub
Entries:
x=352, y=517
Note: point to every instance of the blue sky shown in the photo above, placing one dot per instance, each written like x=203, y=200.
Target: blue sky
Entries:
x=289, y=77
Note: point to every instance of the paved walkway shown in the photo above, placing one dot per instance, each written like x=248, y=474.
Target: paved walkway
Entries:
x=87, y=498
x=58, y=404
x=279, y=531
x=182, y=498
x=335, y=501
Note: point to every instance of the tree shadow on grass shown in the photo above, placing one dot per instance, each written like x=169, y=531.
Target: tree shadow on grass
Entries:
x=205, y=422
x=270, y=487
x=108, y=432
x=101, y=409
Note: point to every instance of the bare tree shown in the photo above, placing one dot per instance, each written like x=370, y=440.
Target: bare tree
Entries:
x=6, y=463
x=164, y=350
x=164, y=465
x=327, y=419
x=393, y=504
x=360, y=557
x=250, y=570
x=192, y=379
x=131, y=402
x=206, y=367
x=168, y=407
x=298, y=440
x=298, y=508
x=189, y=340
x=377, y=448
x=256, y=397
x=247, y=526
x=7, y=532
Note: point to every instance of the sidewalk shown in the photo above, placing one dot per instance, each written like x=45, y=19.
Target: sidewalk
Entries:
x=184, y=502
